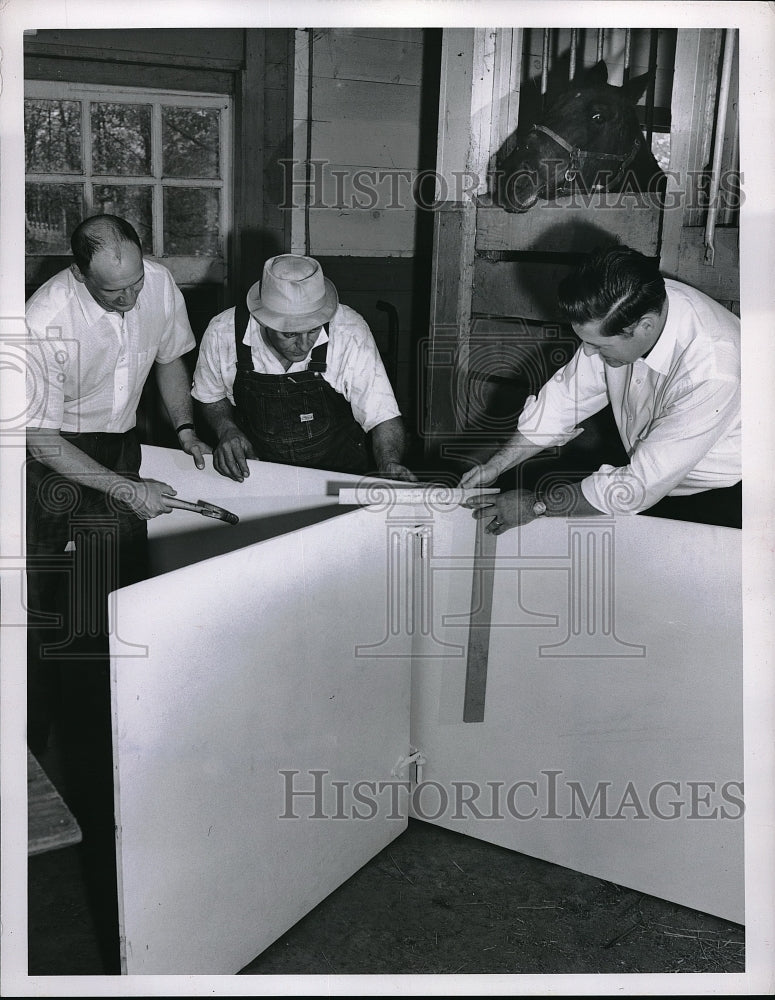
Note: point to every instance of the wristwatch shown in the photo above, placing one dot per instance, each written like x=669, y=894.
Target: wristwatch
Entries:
x=539, y=507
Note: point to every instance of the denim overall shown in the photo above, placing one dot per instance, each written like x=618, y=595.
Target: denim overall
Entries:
x=296, y=419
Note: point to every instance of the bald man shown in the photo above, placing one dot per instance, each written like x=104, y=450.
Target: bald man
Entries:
x=95, y=331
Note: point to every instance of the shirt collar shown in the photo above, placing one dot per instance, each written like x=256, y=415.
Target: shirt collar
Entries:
x=297, y=366
x=92, y=310
x=661, y=354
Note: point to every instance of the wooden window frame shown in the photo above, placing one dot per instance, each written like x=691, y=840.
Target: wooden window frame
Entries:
x=187, y=270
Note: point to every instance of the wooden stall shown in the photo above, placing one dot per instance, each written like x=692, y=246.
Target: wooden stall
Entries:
x=283, y=702
x=496, y=273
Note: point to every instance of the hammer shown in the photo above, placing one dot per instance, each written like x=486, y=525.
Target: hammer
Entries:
x=202, y=507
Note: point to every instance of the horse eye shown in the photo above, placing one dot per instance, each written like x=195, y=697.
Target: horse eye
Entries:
x=597, y=117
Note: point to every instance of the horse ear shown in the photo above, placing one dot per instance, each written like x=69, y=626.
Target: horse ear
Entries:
x=636, y=87
x=595, y=75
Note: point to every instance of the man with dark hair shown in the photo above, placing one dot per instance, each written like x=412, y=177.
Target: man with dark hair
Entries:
x=95, y=330
x=667, y=359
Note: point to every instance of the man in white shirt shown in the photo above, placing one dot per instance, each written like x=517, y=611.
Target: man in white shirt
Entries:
x=667, y=358
x=293, y=376
x=95, y=330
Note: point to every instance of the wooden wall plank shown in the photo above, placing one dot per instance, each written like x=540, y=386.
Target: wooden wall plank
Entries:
x=348, y=99
x=567, y=225
x=383, y=34
x=360, y=187
x=721, y=280
x=357, y=55
x=361, y=233
x=358, y=141
x=517, y=288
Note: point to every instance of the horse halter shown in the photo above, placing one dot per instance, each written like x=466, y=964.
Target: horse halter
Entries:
x=578, y=156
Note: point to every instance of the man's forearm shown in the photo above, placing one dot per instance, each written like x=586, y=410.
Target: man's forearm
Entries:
x=388, y=441
x=175, y=389
x=567, y=500
x=146, y=497
x=516, y=450
x=219, y=416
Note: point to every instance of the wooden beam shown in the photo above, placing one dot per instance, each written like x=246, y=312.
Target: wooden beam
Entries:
x=248, y=248
x=694, y=82
x=571, y=225
x=135, y=47
x=115, y=73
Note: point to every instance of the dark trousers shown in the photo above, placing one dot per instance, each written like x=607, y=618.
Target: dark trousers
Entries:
x=723, y=506
x=80, y=547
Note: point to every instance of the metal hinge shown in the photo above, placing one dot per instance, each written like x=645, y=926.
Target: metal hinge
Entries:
x=416, y=758
x=423, y=532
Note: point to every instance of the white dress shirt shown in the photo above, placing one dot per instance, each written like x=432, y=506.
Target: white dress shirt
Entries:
x=677, y=409
x=354, y=366
x=86, y=367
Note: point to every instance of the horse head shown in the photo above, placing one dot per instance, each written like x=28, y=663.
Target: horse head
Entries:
x=589, y=139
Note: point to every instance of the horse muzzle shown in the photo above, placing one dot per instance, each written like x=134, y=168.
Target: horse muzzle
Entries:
x=519, y=191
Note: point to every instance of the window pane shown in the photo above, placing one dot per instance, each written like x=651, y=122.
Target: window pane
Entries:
x=121, y=139
x=191, y=218
x=52, y=213
x=132, y=203
x=52, y=136
x=190, y=142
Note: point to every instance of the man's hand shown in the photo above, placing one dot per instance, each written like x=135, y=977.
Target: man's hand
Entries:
x=506, y=509
x=231, y=452
x=395, y=470
x=479, y=475
x=146, y=497
x=194, y=447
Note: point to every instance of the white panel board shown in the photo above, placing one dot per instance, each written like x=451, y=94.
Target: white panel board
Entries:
x=252, y=669
x=612, y=734
x=273, y=500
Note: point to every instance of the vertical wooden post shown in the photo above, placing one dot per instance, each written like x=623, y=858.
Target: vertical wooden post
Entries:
x=451, y=279
x=478, y=107
x=247, y=246
x=694, y=90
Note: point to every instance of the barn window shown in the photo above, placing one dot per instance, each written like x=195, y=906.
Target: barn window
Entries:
x=160, y=160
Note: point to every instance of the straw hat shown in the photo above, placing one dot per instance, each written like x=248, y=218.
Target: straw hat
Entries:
x=293, y=295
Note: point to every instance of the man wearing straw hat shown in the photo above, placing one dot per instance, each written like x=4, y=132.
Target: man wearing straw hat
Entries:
x=293, y=376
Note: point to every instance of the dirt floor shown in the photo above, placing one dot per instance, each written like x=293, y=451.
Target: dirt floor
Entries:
x=433, y=902
x=439, y=902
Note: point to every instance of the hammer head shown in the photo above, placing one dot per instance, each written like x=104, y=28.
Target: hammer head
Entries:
x=211, y=510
